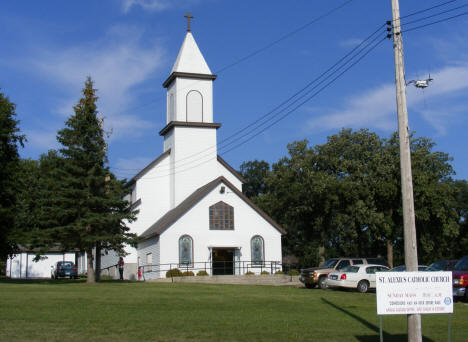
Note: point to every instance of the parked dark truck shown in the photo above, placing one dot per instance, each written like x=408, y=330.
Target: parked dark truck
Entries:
x=318, y=275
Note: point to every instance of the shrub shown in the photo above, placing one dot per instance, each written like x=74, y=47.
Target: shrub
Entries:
x=293, y=273
x=279, y=272
x=202, y=273
x=188, y=274
x=106, y=277
x=175, y=272
x=249, y=273
x=265, y=272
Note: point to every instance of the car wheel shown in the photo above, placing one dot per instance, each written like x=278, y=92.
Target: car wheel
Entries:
x=310, y=286
x=363, y=286
x=322, y=283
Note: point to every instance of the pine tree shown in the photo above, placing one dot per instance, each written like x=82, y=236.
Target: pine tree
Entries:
x=91, y=210
x=10, y=138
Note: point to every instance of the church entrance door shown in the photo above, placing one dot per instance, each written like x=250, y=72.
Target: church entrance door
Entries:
x=223, y=261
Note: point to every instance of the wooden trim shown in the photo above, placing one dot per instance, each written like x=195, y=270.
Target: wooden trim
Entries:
x=173, y=124
x=230, y=168
x=174, y=75
x=150, y=165
x=135, y=204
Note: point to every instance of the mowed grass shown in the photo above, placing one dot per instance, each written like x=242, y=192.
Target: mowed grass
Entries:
x=131, y=311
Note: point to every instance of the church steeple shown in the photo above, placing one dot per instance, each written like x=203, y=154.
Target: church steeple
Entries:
x=190, y=59
x=190, y=133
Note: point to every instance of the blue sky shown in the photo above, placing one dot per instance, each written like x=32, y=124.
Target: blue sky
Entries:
x=128, y=47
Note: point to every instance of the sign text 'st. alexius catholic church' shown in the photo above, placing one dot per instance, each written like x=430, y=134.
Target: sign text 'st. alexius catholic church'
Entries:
x=405, y=293
x=192, y=213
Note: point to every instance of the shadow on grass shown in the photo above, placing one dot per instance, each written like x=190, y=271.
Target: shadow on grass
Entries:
x=371, y=338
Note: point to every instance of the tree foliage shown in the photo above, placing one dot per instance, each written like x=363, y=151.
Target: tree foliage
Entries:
x=10, y=139
x=254, y=173
x=343, y=198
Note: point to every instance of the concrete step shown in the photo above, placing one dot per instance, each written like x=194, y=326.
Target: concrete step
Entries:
x=275, y=280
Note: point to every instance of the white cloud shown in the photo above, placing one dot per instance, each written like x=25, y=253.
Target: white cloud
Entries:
x=376, y=108
x=117, y=63
x=350, y=42
x=149, y=5
x=155, y=5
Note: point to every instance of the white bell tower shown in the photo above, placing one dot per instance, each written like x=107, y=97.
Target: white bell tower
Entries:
x=190, y=132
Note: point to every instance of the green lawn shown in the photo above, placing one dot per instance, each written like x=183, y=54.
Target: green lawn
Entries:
x=130, y=311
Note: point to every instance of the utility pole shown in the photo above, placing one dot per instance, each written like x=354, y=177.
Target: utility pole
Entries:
x=411, y=252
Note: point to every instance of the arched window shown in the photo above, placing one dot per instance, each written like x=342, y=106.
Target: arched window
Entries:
x=186, y=251
x=257, y=250
x=194, y=106
x=221, y=216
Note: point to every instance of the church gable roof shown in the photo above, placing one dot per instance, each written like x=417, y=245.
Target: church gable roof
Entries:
x=190, y=59
x=149, y=166
x=173, y=215
x=231, y=169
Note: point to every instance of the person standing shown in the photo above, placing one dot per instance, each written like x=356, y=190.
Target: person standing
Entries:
x=121, y=267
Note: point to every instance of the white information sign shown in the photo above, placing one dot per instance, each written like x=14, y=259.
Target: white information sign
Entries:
x=405, y=293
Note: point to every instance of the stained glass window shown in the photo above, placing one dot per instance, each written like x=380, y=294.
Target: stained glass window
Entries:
x=257, y=250
x=221, y=216
x=185, y=250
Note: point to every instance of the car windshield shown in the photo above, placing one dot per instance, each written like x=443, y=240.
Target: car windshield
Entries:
x=399, y=269
x=330, y=263
x=350, y=269
x=65, y=264
x=462, y=265
x=437, y=266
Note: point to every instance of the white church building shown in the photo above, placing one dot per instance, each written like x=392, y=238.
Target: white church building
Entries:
x=192, y=213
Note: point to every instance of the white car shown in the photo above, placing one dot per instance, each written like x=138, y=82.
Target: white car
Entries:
x=360, y=277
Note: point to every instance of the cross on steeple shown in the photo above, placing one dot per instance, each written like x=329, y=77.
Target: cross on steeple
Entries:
x=188, y=16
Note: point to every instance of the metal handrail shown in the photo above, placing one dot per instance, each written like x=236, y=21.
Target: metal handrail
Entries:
x=215, y=268
x=108, y=268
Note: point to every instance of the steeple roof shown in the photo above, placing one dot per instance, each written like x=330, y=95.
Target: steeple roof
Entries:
x=190, y=59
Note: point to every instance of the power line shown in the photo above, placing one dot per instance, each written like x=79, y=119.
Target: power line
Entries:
x=309, y=98
x=310, y=83
x=435, y=22
x=287, y=35
x=310, y=90
x=270, y=114
x=282, y=117
x=431, y=16
x=426, y=9
x=256, y=52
